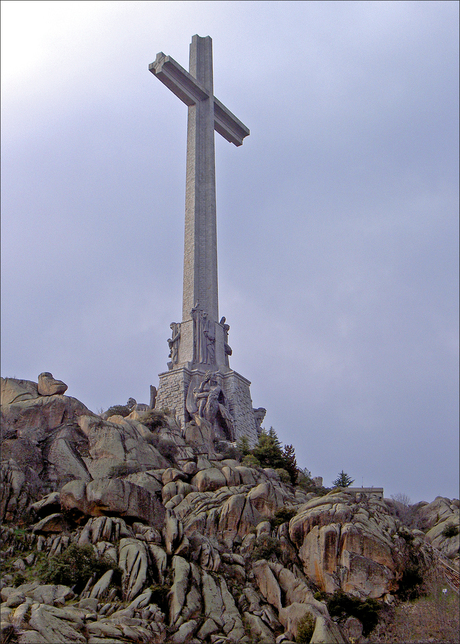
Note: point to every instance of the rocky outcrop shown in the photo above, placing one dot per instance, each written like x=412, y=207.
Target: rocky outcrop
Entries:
x=42, y=445
x=112, y=497
x=191, y=542
x=118, y=447
x=441, y=521
x=349, y=545
x=49, y=386
x=27, y=413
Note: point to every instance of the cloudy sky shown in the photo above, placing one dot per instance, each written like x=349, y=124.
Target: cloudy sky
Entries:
x=337, y=218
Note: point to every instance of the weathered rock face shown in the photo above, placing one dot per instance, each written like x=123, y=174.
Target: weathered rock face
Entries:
x=349, y=545
x=49, y=386
x=19, y=487
x=196, y=552
x=49, y=439
x=441, y=519
x=42, y=445
x=119, y=444
x=25, y=410
x=111, y=497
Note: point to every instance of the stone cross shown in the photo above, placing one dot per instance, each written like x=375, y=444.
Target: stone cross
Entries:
x=201, y=338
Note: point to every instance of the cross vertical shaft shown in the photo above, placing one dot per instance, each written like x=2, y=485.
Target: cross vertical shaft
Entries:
x=200, y=339
x=199, y=383
x=200, y=244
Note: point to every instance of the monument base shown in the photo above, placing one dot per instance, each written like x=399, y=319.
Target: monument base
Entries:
x=174, y=387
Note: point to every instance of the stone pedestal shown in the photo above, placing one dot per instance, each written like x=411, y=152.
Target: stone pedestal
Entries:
x=173, y=390
x=236, y=389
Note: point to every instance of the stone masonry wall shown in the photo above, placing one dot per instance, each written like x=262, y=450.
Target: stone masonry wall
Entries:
x=236, y=389
x=172, y=392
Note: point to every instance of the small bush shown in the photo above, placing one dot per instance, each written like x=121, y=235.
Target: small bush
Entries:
x=306, y=483
x=243, y=445
x=153, y=439
x=153, y=419
x=416, y=568
x=450, y=531
x=73, y=567
x=282, y=515
x=250, y=461
x=266, y=547
x=342, y=606
x=167, y=449
x=411, y=582
x=227, y=450
x=118, y=410
x=305, y=629
x=283, y=474
x=406, y=535
x=18, y=579
x=160, y=596
x=368, y=614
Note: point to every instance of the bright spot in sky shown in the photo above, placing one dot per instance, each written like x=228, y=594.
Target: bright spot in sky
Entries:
x=28, y=28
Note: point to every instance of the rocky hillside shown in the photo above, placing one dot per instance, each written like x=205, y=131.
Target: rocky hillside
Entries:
x=126, y=529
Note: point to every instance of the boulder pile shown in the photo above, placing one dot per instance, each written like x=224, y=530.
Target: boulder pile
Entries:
x=189, y=545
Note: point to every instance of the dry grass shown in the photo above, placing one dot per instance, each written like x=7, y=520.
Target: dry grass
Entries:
x=433, y=618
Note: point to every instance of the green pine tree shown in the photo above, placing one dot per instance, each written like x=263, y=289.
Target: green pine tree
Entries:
x=268, y=450
x=343, y=480
x=243, y=445
x=290, y=463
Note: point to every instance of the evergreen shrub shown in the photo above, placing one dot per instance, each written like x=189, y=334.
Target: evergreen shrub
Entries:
x=153, y=419
x=160, y=596
x=305, y=629
x=342, y=606
x=73, y=567
x=118, y=410
x=265, y=548
x=250, y=461
x=450, y=531
x=283, y=474
x=282, y=515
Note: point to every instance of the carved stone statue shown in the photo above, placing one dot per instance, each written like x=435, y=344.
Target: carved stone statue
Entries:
x=259, y=415
x=210, y=335
x=201, y=394
x=173, y=344
x=199, y=341
x=153, y=396
x=227, y=347
x=204, y=337
x=206, y=401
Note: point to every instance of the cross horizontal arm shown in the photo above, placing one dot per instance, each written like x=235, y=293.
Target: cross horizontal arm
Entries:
x=190, y=91
x=228, y=125
x=179, y=81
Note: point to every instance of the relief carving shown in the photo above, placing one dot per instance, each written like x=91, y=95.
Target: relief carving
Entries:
x=206, y=402
x=204, y=337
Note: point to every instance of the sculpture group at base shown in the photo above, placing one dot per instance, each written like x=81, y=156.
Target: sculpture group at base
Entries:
x=206, y=401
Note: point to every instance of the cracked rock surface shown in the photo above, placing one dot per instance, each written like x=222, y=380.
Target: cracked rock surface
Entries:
x=189, y=541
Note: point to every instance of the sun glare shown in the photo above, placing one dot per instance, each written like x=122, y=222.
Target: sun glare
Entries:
x=31, y=31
